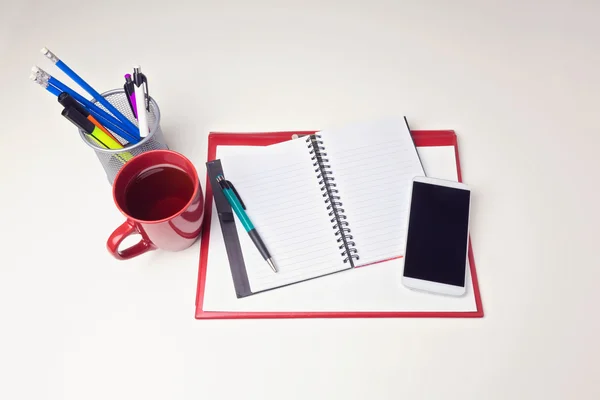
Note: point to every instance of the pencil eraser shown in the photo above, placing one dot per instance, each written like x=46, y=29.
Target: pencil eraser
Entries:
x=33, y=77
x=35, y=70
x=49, y=55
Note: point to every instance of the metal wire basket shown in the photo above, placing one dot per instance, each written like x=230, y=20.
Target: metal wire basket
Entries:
x=113, y=160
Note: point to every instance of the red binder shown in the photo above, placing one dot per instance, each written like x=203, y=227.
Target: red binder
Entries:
x=421, y=139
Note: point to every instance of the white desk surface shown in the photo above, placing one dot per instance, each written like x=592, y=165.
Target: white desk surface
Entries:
x=518, y=82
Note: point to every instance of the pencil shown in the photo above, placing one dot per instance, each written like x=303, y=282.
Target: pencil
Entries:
x=83, y=84
x=44, y=78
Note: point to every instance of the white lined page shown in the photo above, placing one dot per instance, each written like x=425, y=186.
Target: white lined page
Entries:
x=280, y=190
x=373, y=165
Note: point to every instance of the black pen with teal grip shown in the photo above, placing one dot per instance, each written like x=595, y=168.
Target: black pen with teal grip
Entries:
x=239, y=209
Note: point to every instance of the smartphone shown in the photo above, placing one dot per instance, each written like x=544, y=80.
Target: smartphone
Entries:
x=437, y=237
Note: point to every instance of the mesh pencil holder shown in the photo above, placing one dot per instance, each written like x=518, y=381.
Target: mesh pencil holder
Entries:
x=113, y=160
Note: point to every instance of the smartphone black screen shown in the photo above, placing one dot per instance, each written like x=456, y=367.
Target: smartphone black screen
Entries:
x=436, y=247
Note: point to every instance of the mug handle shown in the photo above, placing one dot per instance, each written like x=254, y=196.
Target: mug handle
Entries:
x=115, y=239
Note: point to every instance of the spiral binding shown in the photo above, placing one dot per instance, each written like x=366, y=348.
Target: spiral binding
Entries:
x=332, y=198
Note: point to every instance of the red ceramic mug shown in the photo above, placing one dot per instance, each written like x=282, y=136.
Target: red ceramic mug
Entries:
x=160, y=195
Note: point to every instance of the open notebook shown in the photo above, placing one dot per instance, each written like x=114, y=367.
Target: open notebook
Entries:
x=325, y=203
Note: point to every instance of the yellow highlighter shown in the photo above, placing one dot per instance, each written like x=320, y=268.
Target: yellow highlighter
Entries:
x=97, y=135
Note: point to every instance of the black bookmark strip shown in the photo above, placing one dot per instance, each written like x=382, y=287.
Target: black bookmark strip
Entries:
x=230, y=235
x=413, y=142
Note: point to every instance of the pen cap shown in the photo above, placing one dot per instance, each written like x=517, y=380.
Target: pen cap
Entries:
x=77, y=118
x=66, y=100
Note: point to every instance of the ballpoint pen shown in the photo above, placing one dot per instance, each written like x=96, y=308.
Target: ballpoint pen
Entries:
x=128, y=87
x=142, y=100
x=239, y=208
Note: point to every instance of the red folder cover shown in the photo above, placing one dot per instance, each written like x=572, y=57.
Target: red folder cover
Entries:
x=421, y=139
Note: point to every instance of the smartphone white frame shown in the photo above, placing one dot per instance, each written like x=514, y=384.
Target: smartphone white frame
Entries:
x=430, y=286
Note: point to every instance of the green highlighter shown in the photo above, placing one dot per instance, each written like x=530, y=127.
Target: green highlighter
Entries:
x=239, y=209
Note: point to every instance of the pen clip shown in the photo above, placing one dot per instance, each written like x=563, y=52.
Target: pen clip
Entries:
x=236, y=194
x=146, y=92
x=140, y=79
x=128, y=85
x=127, y=90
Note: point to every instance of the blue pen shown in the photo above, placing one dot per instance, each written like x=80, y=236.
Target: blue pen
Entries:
x=71, y=74
x=239, y=209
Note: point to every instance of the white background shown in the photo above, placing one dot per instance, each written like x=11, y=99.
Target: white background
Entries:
x=517, y=80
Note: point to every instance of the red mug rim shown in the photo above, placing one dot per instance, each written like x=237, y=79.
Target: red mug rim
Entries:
x=196, y=182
